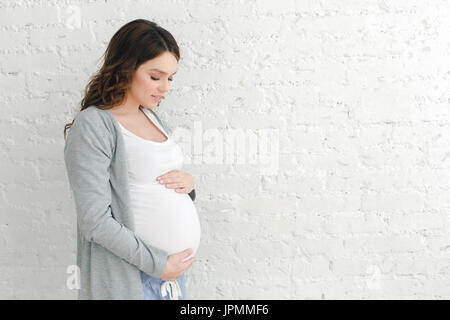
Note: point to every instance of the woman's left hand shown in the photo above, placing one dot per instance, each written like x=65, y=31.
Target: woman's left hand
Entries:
x=181, y=181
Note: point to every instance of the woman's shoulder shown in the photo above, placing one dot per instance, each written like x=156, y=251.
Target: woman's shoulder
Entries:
x=92, y=126
x=93, y=119
x=92, y=114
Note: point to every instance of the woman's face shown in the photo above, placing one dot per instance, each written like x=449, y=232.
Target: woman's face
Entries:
x=152, y=78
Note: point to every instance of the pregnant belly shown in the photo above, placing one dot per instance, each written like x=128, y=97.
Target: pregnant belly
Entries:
x=165, y=219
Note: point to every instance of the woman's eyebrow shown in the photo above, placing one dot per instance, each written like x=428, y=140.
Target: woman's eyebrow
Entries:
x=162, y=71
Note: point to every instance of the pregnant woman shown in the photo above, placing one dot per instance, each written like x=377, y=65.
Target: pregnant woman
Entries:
x=137, y=226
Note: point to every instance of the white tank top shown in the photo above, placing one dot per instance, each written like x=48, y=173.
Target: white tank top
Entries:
x=163, y=218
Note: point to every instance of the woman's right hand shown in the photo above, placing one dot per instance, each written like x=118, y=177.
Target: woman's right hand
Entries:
x=175, y=266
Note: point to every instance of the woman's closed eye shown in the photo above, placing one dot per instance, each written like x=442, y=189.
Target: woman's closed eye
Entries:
x=170, y=79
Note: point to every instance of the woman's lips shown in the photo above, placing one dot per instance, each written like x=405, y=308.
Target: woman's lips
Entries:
x=157, y=98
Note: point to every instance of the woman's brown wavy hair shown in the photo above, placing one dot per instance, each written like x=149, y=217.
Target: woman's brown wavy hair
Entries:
x=133, y=44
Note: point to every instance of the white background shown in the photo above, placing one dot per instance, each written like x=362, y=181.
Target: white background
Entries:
x=359, y=90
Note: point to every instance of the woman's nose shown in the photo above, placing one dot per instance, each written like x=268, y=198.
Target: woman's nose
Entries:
x=165, y=86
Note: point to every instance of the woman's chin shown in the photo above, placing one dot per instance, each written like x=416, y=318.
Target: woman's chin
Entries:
x=151, y=105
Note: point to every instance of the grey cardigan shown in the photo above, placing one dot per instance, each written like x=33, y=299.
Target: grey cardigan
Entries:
x=109, y=254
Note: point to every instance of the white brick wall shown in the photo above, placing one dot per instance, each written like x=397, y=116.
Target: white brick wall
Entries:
x=359, y=90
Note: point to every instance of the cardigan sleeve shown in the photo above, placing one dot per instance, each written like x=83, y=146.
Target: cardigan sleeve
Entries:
x=87, y=155
x=192, y=194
